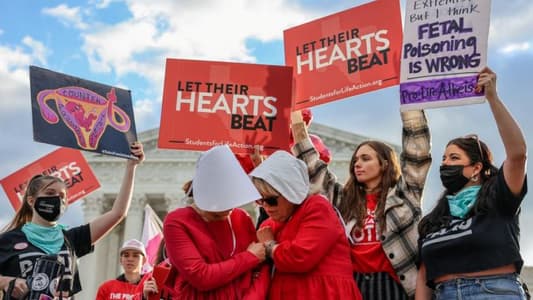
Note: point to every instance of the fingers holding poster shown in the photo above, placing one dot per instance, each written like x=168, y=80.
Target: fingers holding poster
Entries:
x=445, y=47
x=213, y=103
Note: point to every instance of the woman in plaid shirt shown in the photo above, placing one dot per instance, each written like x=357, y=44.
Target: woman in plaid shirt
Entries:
x=380, y=204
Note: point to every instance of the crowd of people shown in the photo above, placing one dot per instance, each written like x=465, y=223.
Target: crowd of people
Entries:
x=320, y=238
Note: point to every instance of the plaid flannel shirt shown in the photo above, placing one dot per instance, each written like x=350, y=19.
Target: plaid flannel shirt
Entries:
x=403, y=202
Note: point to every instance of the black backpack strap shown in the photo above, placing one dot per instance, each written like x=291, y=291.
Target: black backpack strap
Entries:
x=10, y=288
x=73, y=265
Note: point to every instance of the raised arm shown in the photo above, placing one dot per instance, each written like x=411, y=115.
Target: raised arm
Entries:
x=514, y=165
x=321, y=178
x=415, y=158
x=103, y=224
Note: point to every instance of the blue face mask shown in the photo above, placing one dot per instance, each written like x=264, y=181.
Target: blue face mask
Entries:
x=461, y=203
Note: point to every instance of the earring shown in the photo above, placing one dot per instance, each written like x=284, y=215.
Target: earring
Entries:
x=474, y=178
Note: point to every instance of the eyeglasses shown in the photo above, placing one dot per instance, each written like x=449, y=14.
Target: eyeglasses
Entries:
x=475, y=137
x=271, y=201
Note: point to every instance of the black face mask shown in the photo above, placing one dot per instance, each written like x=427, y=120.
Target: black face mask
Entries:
x=49, y=208
x=452, y=178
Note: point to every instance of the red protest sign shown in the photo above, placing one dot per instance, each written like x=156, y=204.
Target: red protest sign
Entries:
x=345, y=54
x=68, y=164
x=208, y=103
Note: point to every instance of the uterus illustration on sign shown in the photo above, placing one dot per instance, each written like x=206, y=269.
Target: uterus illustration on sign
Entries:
x=86, y=113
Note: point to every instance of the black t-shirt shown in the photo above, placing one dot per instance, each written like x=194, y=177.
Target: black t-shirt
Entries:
x=18, y=256
x=478, y=243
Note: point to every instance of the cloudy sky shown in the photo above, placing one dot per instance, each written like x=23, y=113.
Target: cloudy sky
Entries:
x=125, y=43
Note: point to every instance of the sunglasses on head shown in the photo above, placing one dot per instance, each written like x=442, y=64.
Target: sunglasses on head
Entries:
x=271, y=201
x=475, y=137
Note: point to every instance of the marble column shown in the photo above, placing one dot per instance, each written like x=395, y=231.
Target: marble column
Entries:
x=114, y=243
x=134, y=219
x=89, y=265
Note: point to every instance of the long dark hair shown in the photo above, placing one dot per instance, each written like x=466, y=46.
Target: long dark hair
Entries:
x=25, y=213
x=353, y=203
x=477, y=151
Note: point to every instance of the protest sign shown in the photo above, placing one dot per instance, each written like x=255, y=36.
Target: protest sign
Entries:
x=445, y=47
x=65, y=163
x=77, y=113
x=207, y=103
x=345, y=54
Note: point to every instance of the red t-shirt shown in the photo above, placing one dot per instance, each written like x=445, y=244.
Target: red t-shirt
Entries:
x=121, y=289
x=367, y=254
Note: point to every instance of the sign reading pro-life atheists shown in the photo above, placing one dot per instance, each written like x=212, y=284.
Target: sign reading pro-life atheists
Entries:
x=67, y=164
x=207, y=103
x=345, y=54
x=77, y=113
x=445, y=47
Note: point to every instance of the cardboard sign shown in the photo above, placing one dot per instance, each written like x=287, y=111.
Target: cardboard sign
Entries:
x=72, y=112
x=67, y=164
x=345, y=54
x=206, y=104
x=445, y=47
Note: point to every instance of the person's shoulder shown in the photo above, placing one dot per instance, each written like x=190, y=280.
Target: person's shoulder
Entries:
x=106, y=285
x=11, y=235
x=179, y=214
x=317, y=200
x=182, y=211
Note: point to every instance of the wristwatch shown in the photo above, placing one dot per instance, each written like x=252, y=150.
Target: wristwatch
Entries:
x=269, y=246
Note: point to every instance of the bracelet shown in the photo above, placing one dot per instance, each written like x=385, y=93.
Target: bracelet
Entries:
x=269, y=246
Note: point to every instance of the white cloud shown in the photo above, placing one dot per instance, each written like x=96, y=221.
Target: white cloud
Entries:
x=210, y=30
x=14, y=83
x=512, y=48
x=101, y=4
x=39, y=51
x=68, y=16
x=512, y=23
x=147, y=114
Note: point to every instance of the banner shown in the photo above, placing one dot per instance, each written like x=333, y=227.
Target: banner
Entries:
x=345, y=54
x=72, y=112
x=445, y=47
x=151, y=236
x=207, y=103
x=67, y=164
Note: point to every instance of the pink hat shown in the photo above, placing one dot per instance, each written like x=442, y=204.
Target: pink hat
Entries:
x=133, y=244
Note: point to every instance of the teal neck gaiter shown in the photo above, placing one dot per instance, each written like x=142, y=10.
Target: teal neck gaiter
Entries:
x=462, y=202
x=48, y=239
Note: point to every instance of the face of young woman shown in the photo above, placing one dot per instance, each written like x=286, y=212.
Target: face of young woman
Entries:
x=55, y=189
x=280, y=212
x=367, y=168
x=453, y=156
x=131, y=261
